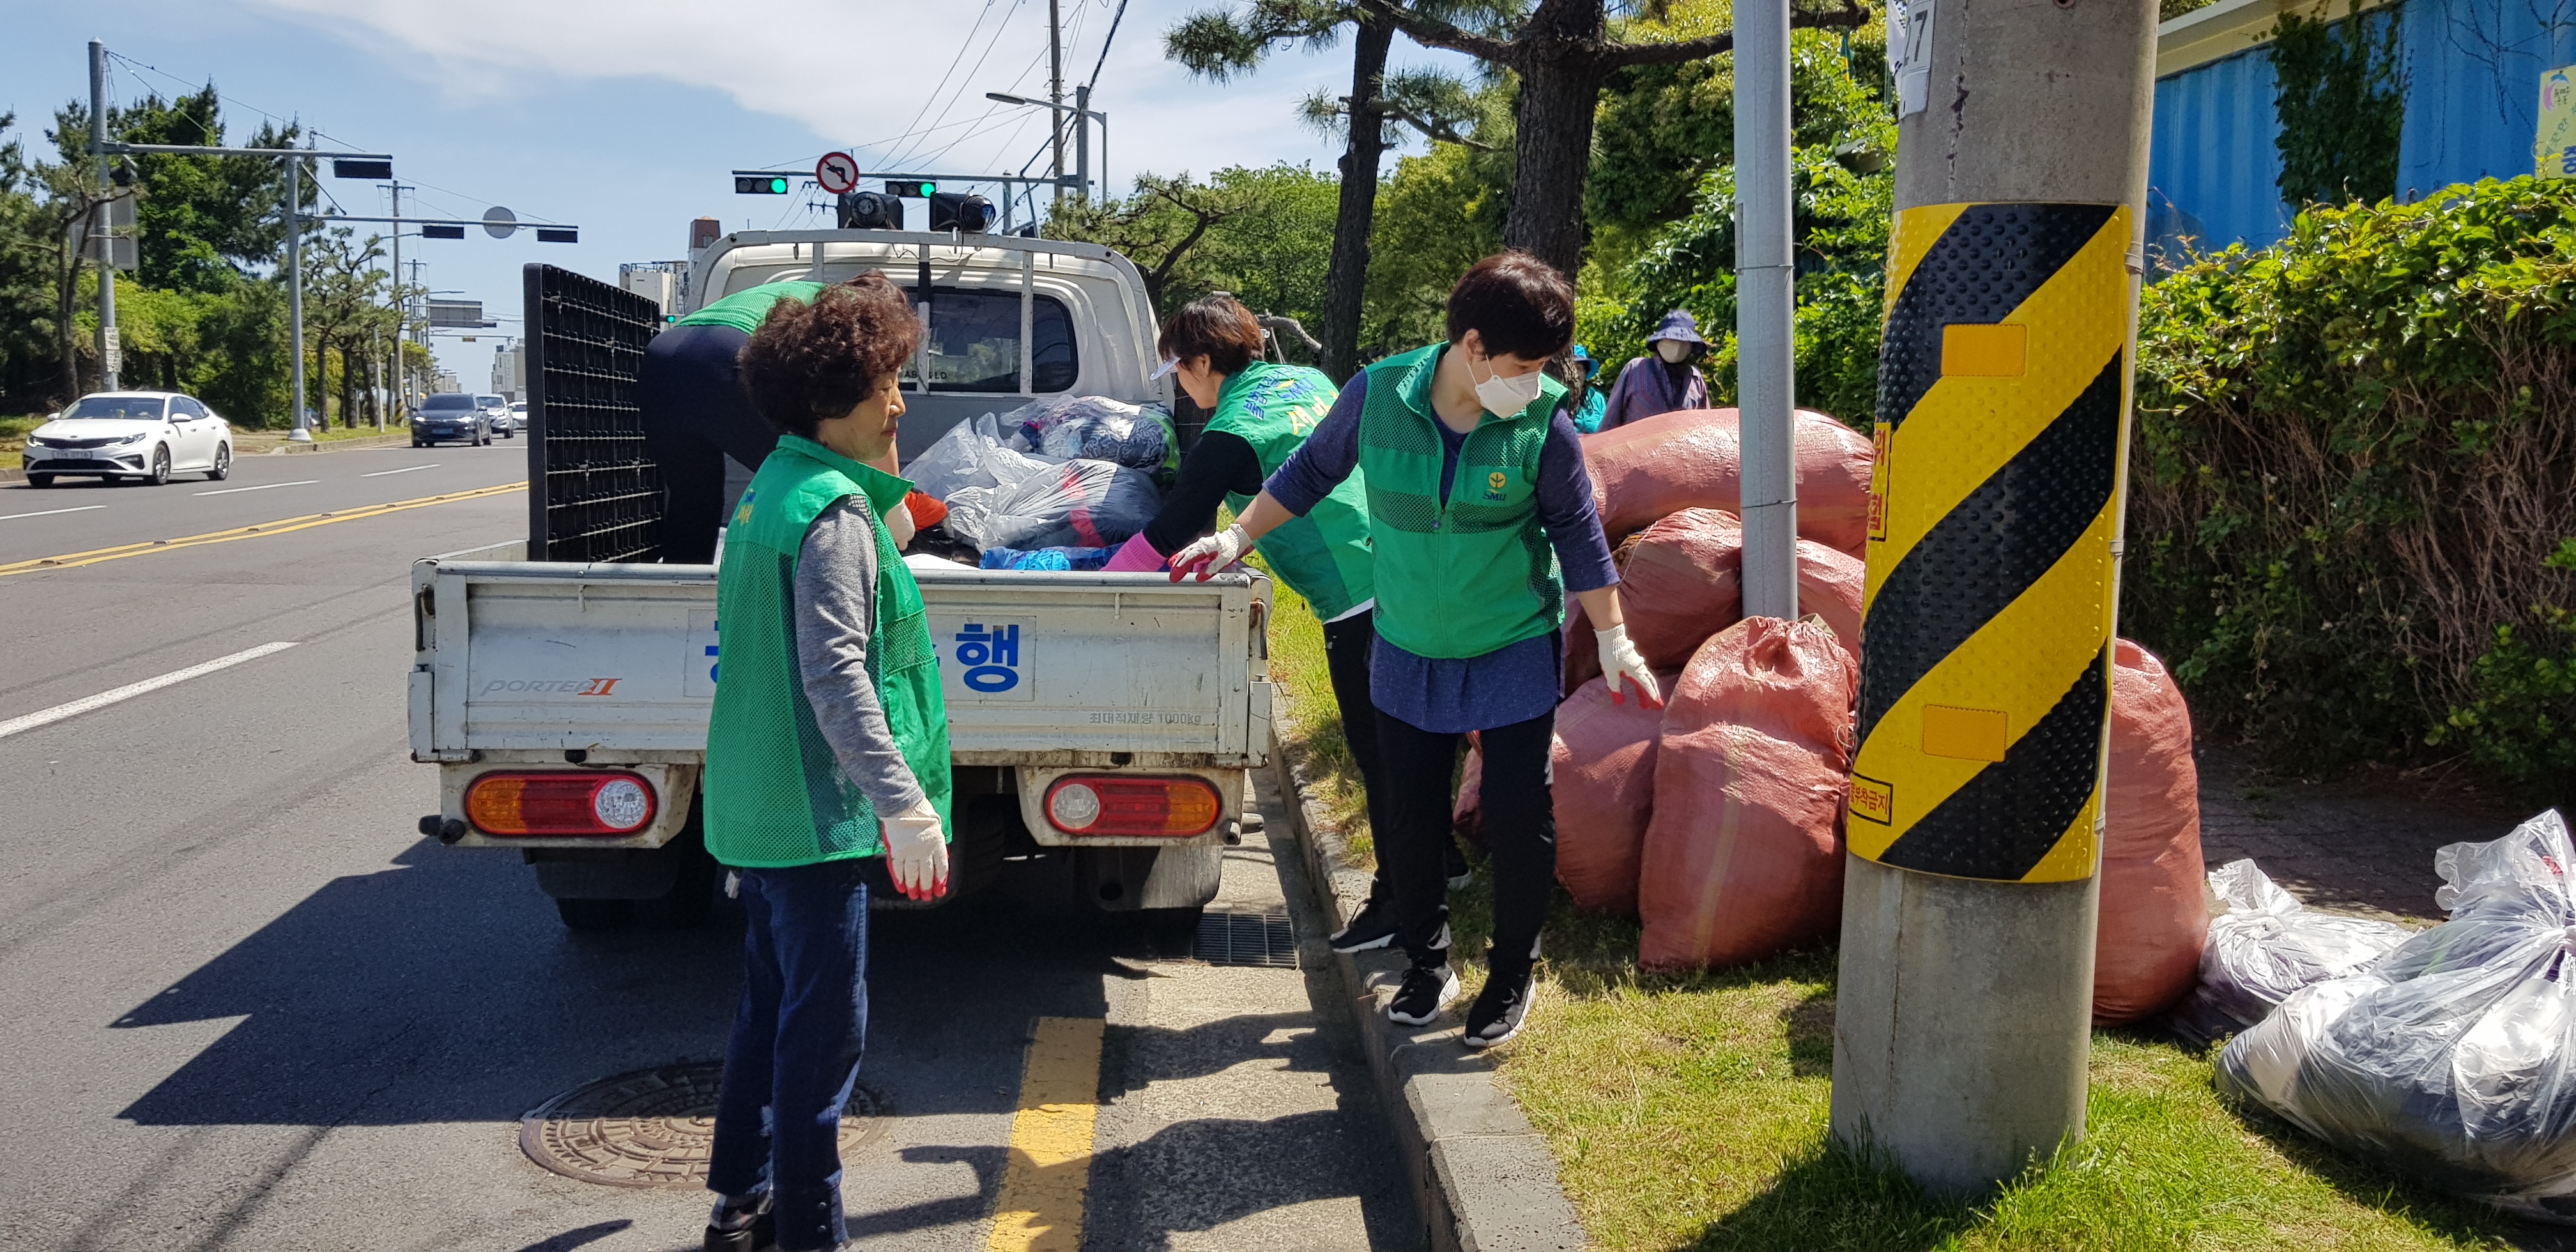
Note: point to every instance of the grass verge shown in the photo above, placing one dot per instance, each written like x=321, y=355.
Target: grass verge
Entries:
x=1690, y=1112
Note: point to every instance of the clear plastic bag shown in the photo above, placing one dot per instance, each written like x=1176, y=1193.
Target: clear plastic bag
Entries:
x=1058, y=504
x=1091, y=428
x=964, y=457
x=2453, y=1059
x=2266, y=946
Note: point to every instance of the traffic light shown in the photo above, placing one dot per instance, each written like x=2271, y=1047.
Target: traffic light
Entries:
x=760, y=184
x=911, y=190
x=868, y=210
x=955, y=210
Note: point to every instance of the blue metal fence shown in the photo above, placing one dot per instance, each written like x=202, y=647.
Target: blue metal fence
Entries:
x=2472, y=70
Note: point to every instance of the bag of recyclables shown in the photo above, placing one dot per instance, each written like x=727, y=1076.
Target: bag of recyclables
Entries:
x=1062, y=560
x=2265, y=946
x=2453, y=1059
x=1091, y=428
x=1000, y=496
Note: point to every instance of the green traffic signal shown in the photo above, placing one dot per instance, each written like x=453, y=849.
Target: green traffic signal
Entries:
x=759, y=185
x=778, y=186
x=911, y=189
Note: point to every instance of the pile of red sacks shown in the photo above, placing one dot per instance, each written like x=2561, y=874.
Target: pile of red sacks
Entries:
x=1718, y=819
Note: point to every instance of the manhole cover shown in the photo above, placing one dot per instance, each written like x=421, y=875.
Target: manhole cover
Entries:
x=652, y=1128
x=1247, y=939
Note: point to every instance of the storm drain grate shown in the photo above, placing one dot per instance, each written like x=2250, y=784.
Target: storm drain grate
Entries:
x=1264, y=939
x=652, y=1128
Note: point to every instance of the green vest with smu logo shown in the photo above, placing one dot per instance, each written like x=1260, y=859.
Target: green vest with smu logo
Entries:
x=775, y=794
x=1323, y=556
x=1464, y=578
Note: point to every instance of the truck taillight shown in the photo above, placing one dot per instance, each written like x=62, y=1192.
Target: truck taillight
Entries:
x=1111, y=804
x=585, y=803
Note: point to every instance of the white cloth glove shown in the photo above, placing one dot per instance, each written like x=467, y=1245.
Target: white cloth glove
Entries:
x=899, y=526
x=917, y=852
x=1619, y=660
x=1212, y=554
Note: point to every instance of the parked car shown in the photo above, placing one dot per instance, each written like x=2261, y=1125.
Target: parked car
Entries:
x=138, y=436
x=498, y=409
x=451, y=417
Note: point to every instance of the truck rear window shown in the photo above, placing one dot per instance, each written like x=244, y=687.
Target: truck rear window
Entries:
x=975, y=342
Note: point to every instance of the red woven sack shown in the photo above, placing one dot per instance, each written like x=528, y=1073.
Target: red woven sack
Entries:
x=1657, y=466
x=1666, y=605
x=1604, y=759
x=1744, y=853
x=1829, y=586
x=2155, y=918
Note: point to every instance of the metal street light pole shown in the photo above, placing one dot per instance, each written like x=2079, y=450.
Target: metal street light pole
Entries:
x=108, y=348
x=1765, y=310
x=295, y=285
x=1081, y=109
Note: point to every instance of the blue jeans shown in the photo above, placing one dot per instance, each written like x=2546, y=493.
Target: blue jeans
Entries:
x=796, y=1044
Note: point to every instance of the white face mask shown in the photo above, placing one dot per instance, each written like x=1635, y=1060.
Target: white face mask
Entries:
x=1672, y=350
x=1502, y=396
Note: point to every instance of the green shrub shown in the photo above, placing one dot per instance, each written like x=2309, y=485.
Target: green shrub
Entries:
x=2355, y=453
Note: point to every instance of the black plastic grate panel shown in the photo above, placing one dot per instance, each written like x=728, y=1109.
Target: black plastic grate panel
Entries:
x=593, y=494
x=1263, y=939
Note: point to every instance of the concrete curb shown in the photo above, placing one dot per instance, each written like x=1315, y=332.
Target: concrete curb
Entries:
x=1482, y=1177
x=340, y=445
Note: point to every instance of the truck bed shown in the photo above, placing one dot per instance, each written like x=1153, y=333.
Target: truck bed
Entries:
x=1039, y=669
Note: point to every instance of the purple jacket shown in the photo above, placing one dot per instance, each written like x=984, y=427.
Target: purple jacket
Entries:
x=1645, y=388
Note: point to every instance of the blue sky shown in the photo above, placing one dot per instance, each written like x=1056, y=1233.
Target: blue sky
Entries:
x=626, y=116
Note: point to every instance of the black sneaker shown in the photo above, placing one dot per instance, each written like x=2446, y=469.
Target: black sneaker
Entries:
x=1498, y=1012
x=742, y=1224
x=1427, y=989
x=1455, y=862
x=1372, y=927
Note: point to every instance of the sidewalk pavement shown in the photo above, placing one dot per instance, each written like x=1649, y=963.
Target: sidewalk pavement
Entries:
x=2362, y=844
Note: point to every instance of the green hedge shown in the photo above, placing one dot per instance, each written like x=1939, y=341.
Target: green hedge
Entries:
x=2355, y=479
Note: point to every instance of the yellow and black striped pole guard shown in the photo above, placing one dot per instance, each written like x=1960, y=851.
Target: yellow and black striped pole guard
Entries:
x=2003, y=401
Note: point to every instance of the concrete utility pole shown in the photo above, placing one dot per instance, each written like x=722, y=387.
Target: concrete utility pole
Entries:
x=108, y=348
x=1765, y=310
x=1971, y=895
x=1055, y=93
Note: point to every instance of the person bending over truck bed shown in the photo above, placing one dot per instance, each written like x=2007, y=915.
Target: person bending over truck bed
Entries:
x=827, y=746
x=696, y=413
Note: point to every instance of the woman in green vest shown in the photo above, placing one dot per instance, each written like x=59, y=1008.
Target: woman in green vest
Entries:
x=1259, y=415
x=1477, y=499
x=827, y=747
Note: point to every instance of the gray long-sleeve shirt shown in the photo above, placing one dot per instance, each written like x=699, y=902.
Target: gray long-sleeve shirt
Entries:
x=836, y=591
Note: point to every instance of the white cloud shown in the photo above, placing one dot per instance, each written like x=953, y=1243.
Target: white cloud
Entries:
x=865, y=74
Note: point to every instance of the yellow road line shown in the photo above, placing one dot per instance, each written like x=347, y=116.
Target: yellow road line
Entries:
x=1040, y=1206
x=74, y=560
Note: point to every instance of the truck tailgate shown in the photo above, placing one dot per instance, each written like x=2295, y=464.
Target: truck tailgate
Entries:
x=1039, y=668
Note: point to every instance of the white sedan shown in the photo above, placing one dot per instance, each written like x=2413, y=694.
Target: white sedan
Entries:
x=143, y=436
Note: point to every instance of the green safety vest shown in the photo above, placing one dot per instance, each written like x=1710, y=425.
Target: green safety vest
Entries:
x=1464, y=578
x=744, y=310
x=1323, y=556
x=775, y=793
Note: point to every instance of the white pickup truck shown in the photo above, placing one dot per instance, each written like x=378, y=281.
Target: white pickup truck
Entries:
x=1106, y=717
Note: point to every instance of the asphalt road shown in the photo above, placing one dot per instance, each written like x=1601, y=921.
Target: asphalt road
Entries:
x=244, y=1005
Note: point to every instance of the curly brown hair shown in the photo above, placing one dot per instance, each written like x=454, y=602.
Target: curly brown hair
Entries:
x=809, y=362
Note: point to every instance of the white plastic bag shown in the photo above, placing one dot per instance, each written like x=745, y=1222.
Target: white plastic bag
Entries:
x=964, y=457
x=2266, y=946
x=2453, y=1059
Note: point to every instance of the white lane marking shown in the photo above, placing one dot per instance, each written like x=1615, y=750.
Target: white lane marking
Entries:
x=301, y=482
x=404, y=470
x=50, y=512
x=47, y=717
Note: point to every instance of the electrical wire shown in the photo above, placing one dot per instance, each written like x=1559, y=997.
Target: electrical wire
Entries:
x=953, y=62
x=1114, y=19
